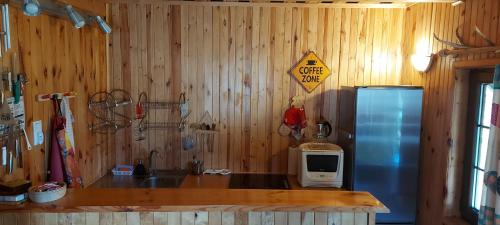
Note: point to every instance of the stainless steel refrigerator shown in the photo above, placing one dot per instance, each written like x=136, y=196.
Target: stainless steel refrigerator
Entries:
x=379, y=130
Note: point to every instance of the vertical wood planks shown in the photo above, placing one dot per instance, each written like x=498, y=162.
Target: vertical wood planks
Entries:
x=58, y=58
x=439, y=139
x=189, y=218
x=233, y=62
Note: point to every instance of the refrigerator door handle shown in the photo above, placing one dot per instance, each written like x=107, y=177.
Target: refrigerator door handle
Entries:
x=348, y=135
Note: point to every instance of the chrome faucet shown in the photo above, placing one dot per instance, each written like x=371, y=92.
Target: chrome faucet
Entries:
x=152, y=163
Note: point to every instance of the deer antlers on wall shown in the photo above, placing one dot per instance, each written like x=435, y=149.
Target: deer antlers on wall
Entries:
x=462, y=48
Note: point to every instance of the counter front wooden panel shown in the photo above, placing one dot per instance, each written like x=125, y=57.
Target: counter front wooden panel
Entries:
x=190, y=218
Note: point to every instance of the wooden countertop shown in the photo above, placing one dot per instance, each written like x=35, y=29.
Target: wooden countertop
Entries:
x=205, y=193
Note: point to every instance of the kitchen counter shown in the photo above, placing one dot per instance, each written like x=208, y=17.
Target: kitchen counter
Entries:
x=208, y=194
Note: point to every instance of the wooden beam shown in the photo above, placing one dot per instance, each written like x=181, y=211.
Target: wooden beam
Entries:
x=480, y=63
x=268, y=4
x=96, y=7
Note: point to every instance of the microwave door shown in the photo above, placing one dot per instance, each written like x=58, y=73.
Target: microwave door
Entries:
x=322, y=163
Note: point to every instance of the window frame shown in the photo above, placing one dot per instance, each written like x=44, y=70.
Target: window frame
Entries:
x=476, y=79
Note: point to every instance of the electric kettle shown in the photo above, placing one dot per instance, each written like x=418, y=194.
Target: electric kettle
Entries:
x=324, y=129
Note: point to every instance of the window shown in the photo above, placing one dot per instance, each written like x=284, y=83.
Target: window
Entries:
x=481, y=143
x=478, y=130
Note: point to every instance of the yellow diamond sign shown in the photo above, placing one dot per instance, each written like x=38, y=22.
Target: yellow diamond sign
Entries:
x=310, y=71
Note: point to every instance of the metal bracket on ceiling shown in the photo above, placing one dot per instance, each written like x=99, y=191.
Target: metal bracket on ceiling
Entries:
x=54, y=8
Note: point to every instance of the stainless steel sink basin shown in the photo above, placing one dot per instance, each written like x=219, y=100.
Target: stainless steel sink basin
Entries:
x=161, y=179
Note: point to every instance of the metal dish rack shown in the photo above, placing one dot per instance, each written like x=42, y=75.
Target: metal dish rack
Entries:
x=109, y=110
x=145, y=106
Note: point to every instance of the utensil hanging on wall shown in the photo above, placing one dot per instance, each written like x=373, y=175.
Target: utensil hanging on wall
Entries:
x=6, y=26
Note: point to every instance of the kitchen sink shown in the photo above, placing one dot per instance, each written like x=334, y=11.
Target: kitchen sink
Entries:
x=161, y=179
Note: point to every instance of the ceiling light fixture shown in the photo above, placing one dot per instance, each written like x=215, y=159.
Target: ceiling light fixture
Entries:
x=75, y=17
x=103, y=25
x=31, y=8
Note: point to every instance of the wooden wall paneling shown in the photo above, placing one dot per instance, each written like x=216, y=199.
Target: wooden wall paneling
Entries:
x=278, y=72
x=57, y=57
x=207, y=62
x=216, y=70
x=376, y=48
x=175, y=81
x=88, y=86
x=364, y=77
x=192, y=66
x=224, y=95
x=28, y=36
x=247, y=87
x=331, y=102
x=184, y=67
x=134, y=12
x=37, y=113
x=231, y=42
x=117, y=72
x=231, y=99
x=432, y=131
x=252, y=160
x=240, y=75
x=351, y=46
x=361, y=48
x=239, y=45
x=169, y=93
x=263, y=97
x=492, y=24
x=439, y=137
x=144, y=72
x=46, y=110
x=159, y=89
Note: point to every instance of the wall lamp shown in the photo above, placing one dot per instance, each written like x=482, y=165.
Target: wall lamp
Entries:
x=457, y=3
x=75, y=17
x=78, y=18
x=422, y=63
x=31, y=8
x=105, y=28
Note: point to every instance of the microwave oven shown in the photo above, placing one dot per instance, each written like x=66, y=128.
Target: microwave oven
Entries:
x=320, y=165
